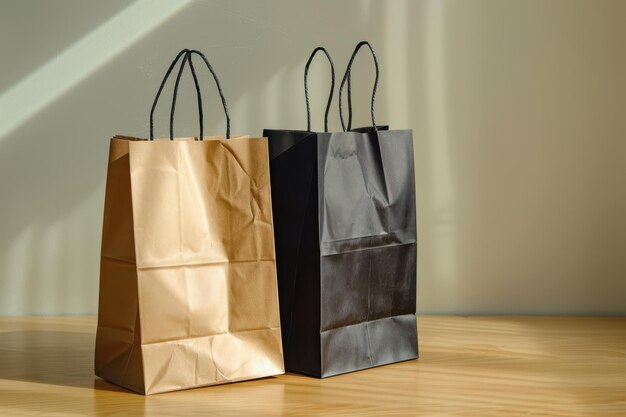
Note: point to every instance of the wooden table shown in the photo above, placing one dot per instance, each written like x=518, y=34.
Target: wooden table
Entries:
x=469, y=366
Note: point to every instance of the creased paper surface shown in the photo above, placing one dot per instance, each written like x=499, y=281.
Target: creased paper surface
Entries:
x=344, y=205
x=188, y=244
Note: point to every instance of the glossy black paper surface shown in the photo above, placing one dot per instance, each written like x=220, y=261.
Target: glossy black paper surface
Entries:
x=345, y=233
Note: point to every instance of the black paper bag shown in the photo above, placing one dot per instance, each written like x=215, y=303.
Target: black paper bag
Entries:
x=345, y=233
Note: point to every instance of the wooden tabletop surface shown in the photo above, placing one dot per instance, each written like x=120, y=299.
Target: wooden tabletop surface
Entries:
x=469, y=366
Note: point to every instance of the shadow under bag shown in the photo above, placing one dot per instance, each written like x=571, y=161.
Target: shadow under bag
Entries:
x=188, y=292
x=345, y=231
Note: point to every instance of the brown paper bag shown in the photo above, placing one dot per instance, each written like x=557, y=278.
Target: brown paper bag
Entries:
x=188, y=293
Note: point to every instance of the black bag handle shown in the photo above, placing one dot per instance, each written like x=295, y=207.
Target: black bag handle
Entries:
x=306, y=88
x=346, y=77
x=188, y=57
x=158, y=94
x=219, y=90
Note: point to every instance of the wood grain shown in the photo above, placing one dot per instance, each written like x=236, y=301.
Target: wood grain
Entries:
x=469, y=366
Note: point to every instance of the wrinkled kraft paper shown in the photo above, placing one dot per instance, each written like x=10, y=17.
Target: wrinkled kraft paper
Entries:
x=188, y=290
x=345, y=229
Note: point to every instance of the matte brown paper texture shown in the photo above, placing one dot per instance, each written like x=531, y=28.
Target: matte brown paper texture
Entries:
x=188, y=292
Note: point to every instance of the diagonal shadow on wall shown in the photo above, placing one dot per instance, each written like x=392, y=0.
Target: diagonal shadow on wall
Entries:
x=53, y=166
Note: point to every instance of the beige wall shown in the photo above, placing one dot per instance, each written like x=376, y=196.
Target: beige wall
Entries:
x=518, y=110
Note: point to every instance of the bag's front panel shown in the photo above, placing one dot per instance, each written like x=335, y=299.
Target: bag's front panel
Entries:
x=206, y=263
x=367, y=239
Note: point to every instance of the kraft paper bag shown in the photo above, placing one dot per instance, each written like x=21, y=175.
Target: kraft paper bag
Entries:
x=188, y=290
x=345, y=230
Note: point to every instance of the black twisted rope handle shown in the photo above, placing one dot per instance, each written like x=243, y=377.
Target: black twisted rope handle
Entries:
x=346, y=78
x=187, y=53
x=306, y=88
